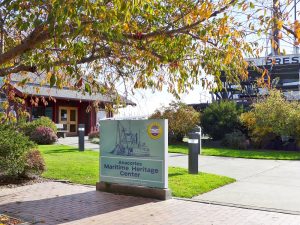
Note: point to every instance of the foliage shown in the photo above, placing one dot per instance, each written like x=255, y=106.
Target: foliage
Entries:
x=220, y=118
x=94, y=134
x=35, y=163
x=43, y=135
x=141, y=43
x=236, y=140
x=272, y=117
x=14, y=147
x=181, y=119
x=30, y=127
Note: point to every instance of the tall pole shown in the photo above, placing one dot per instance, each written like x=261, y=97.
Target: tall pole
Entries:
x=275, y=31
x=296, y=48
x=1, y=34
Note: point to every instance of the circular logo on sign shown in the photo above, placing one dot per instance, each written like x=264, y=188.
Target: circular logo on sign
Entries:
x=154, y=130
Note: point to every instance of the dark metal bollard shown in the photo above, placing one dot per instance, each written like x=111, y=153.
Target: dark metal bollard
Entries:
x=193, y=152
x=81, y=132
x=200, y=142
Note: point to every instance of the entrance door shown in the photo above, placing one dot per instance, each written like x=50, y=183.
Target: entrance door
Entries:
x=68, y=116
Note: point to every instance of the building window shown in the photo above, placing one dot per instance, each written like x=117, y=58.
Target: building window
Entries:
x=37, y=112
x=49, y=112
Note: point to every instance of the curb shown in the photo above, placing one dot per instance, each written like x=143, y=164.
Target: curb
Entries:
x=291, y=212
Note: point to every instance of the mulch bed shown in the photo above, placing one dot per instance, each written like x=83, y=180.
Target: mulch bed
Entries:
x=7, y=220
x=8, y=182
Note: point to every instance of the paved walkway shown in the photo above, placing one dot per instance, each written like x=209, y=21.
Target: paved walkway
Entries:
x=58, y=203
x=73, y=141
x=273, y=184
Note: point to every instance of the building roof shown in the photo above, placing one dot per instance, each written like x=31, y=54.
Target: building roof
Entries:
x=33, y=87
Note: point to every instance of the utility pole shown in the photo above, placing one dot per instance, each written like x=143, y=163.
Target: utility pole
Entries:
x=1, y=34
x=296, y=48
x=275, y=45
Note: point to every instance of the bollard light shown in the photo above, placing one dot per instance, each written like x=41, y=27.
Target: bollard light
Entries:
x=81, y=132
x=193, y=142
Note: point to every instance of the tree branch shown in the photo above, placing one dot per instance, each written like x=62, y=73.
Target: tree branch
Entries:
x=36, y=37
x=16, y=69
x=289, y=30
x=178, y=30
x=33, y=69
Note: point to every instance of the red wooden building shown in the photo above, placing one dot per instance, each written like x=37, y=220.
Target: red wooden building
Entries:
x=64, y=106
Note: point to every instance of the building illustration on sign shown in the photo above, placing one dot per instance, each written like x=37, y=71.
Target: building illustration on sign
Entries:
x=129, y=143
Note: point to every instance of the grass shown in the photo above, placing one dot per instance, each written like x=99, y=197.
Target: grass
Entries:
x=179, y=148
x=67, y=163
x=187, y=185
x=236, y=153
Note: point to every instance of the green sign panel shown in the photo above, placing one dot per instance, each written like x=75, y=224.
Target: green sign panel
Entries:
x=134, y=152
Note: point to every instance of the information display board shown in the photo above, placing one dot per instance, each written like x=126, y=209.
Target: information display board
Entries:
x=134, y=152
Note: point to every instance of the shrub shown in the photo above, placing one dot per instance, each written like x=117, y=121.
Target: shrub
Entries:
x=236, y=140
x=94, y=134
x=181, y=119
x=29, y=127
x=34, y=163
x=220, y=118
x=272, y=118
x=13, y=149
x=43, y=135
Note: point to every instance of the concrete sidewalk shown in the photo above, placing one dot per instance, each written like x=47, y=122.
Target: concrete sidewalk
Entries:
x=273, y=184
x=73, y=141
x=58, y=203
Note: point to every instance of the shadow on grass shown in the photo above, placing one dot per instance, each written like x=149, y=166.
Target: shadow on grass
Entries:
x=58, y=151
x=176, y=174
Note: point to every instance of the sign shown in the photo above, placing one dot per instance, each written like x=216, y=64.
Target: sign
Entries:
x=276, y=60
x=134, y=152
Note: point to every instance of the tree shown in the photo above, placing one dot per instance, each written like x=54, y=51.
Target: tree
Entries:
x=139, y=43
x=181, y=119
x=221, y=118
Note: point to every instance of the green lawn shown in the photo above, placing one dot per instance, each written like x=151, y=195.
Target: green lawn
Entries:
x=67, y=163
x=250, y=154
x=187, y=185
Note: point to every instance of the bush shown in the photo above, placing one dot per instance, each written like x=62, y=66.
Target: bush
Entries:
x=94, y=134
x=13, y=149
x=220, y=118
x=43, y=136
x=272, y=118
x=236, y=140
x=181, y=119
x=34, y=163
x=29, y=127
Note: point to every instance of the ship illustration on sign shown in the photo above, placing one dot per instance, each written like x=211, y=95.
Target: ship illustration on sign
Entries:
x=129, y=143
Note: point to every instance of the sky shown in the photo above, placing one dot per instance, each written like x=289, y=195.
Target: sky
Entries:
x=147, y=101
